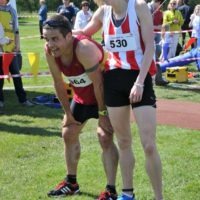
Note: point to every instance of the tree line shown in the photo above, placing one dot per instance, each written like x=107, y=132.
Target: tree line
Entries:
x=33, y=5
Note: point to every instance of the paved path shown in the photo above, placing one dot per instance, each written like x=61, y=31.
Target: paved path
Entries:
x=178, y=113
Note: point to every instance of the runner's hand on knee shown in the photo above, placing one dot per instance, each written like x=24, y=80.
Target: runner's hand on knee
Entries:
x=69, y=120
x=104, y=123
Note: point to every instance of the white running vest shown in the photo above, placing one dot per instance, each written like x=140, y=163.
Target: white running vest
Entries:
x=123, y=43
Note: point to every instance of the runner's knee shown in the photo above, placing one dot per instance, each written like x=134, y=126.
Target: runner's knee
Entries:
x=149, y=149
x=125, y=143
x=105, y=141
x=69, y=135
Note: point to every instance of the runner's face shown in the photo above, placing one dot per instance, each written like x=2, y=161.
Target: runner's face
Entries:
x=57, y=43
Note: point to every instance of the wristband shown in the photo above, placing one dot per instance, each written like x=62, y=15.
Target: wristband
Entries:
x=103, y=113
x=139, y=85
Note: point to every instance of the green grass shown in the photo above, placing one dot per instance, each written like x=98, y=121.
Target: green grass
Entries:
x=31, y=149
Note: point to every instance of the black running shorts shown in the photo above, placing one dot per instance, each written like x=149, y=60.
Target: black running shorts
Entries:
x=118, y=84
x=82, y=112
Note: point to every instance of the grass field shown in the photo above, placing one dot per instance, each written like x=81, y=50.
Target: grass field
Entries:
x=31, y=149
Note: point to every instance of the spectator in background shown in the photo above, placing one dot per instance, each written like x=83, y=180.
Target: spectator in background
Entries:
x=42, y=16
x=195, y=22
x=68, y=11
x=165, y=42
x=83, y=16
x=157, y=14
x=74, y=6
x=174, y=18
x=186, y=12
x=3, y=40
x=8, y=17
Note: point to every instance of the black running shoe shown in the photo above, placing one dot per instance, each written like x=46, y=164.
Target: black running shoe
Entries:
x=107, y=196
x=63, y=189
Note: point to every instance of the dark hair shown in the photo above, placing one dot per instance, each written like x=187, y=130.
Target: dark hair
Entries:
x=85, y=3
x=59, y=22
x=185, y=1
x=161, y=1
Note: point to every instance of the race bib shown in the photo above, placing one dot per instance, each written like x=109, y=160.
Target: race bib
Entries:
x=80, y=80
x=121, y=42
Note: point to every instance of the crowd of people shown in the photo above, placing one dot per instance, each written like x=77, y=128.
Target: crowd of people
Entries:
x=168, y=26
x=116, y=79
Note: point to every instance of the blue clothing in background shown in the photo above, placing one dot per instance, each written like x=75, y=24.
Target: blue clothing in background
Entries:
x=68, y=12
x=42, y=17
x=42, y=12
x=182, y=60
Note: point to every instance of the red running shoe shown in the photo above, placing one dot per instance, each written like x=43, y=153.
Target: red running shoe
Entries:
x=63, y=189
x=107, y=196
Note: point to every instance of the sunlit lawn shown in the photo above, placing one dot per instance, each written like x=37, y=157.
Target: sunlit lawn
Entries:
x=31, y=149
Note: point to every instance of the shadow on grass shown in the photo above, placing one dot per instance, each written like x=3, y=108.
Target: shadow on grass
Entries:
x=184, y=86
x=179, y=90
x=19, y=119
x=88, y=194
x=24, y=130
x=12, y=107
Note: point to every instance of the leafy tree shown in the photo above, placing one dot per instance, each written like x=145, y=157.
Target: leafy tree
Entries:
x=33, y=5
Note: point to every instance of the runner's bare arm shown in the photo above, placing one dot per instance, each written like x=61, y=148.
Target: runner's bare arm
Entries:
x=94, y=25
x=59, y=83
x=89, y=56
x=146, y=24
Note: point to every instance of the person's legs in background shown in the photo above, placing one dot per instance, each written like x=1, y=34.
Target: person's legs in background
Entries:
x=183, y=39
x=173, y=46
x=41, y=29
x=187, y=30
x=1, y=87
x=19, y=90
x=157, y=40
x=158, y=78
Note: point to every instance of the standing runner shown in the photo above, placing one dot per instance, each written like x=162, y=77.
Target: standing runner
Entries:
x=128, y=34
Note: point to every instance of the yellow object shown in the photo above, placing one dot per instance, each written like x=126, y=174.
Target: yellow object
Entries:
x=6, y=21
x=34, y=59
x=105, y=57
x=177, y=74
x=70, y=92
x=103, y=113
